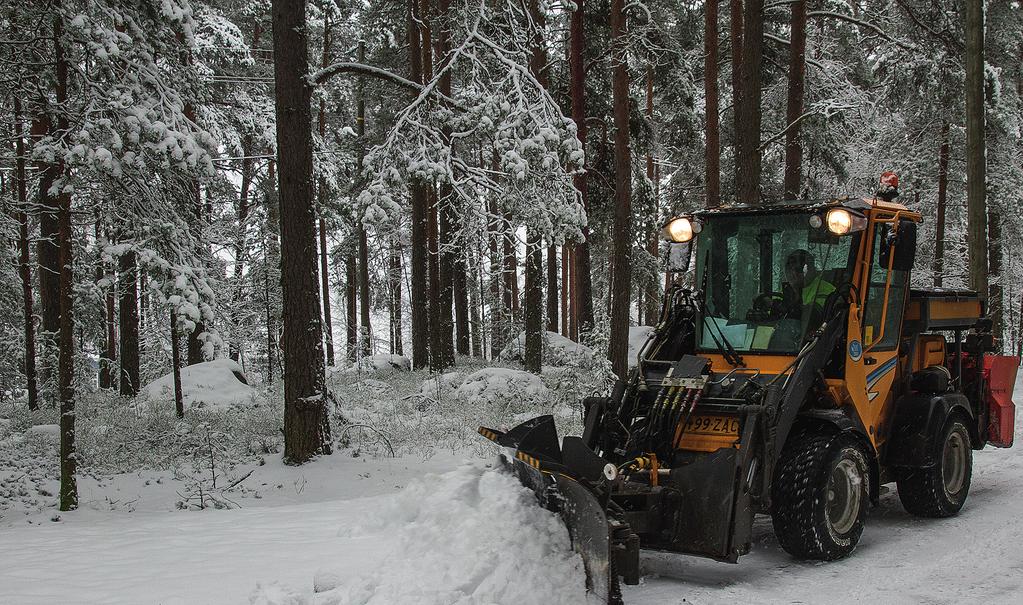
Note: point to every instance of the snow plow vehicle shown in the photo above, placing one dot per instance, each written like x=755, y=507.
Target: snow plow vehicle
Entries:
x=797, y=374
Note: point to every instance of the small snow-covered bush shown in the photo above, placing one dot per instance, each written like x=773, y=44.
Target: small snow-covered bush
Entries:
x=557, y=350
x=379, y=365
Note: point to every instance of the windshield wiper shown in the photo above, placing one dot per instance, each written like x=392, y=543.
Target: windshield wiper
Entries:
x=730, y=354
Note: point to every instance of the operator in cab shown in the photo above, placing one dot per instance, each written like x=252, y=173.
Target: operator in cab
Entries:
x=805, y=288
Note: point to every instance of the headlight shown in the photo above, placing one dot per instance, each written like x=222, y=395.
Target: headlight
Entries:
x=843, y=222
x=680, y=230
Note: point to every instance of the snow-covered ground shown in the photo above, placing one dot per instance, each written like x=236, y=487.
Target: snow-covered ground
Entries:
x=443, y=530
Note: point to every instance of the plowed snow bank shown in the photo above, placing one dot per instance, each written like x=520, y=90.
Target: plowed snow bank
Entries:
x=470, y=536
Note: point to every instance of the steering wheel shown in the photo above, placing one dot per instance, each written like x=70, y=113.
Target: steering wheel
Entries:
x=767, y=306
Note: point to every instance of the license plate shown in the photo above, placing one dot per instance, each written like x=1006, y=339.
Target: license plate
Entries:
x=712, y=425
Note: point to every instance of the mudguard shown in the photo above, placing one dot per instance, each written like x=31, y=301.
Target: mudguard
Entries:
x=918, y=420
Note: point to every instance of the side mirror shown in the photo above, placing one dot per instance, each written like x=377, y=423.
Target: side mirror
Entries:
x=904, y=243
x=677, y=260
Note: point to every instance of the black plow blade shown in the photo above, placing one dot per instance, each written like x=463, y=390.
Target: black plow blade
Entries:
x=560, y=481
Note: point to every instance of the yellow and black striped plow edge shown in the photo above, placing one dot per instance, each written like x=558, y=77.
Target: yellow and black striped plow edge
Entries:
x=530, y=460
x=490, y=434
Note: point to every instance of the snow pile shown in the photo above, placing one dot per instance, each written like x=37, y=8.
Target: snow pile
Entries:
x=211, y=384
x=441, y=386
x=501, y=385
x=468, y=536
x=381, y=364
x=557, y=350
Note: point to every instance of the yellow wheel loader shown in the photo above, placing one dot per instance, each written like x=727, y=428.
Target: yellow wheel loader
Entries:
x=796, y=374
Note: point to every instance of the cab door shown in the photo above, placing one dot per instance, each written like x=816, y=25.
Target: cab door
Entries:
x=884, y=304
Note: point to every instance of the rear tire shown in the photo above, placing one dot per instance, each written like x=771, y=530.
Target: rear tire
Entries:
x=820, y=496
x=940, y=490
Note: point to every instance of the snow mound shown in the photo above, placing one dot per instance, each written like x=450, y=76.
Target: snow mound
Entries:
x=469, y=536
x=638, y=336
x=500, y=384
x=380, y=364
x=442, y=385
x=557, y=350
x=212, y=384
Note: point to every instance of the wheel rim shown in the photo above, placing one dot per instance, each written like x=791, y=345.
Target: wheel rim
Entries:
x=844, y=495
x=953, y=463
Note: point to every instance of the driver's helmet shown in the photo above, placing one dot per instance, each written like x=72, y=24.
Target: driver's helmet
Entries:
x=799, y=262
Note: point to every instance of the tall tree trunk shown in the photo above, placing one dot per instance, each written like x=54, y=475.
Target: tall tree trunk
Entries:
x=108, y=374
x=47, y=254
x=179, y=400
x=241, y=247
x=533, y=316
x=735, y=32
x=566, y=280
x=460, y=292
x=396, y=304
x=366, y=331
x=419, y=293
x=351, y=305
x=582, y=303
x=66, y=356
x=24, y=260
x=195, y=343
x=794, y=110
x=446, y=250
x=272, y=260
x=499, y=303
x=975, y=148
x=328, y=323
x=652, y=299
x=306, y=425
x=710, y=88
x=748, y=116
x=128, y=314
x=939, y=228
x=621, y=264
x=328, y=320
x=996, y=308
x=553, y=298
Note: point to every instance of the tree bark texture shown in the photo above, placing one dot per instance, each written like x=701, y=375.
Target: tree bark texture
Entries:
x=621, y=264
x=939, y=226
x=128, y=315
x=419, y=293
x=273, y=259
x=328, y=320
x=995, y=304
x=735, y=32
x=47, y=254
x=582, y=287
x=306, y=423
x=533, y=314
x=710, y=88
x=553, y=298
x=397, y=347
x=179, y=401
x=976, y=167
x=66, y=355
x=24, y=261
x=651, y=299
x=794, y=107
x=352, y=305
x=748, y=114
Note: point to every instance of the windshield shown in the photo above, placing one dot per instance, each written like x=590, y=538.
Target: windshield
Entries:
x=767, y=279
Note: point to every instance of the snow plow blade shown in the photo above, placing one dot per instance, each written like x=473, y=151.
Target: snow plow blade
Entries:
x=569, y=479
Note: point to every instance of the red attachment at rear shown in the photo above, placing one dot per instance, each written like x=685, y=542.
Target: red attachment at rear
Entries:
x=1000, y=376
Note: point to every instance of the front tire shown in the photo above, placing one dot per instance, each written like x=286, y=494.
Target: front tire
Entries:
x=820, y=496
x=940, y=490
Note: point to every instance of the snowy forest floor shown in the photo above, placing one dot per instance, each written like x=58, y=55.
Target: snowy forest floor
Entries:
x=435, y=527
